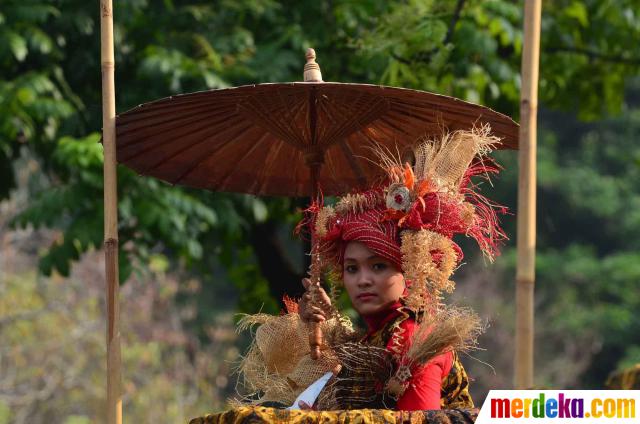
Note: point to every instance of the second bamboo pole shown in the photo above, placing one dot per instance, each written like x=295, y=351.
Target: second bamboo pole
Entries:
x=114, y=373
x=526, y=245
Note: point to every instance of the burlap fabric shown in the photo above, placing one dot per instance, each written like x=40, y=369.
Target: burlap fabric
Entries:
x=278, y=366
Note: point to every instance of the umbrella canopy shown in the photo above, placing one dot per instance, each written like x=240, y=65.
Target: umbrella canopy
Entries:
x=267, y=139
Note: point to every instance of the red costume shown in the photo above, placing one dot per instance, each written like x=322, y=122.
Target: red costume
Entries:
x=424, y=390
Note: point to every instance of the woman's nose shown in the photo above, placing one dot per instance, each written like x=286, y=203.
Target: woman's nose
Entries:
x=364, y=279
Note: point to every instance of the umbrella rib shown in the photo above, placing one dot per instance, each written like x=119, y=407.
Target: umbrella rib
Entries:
x=205, y=128
x=327, y=100
x=331, y=168
x=161, y=127
x=400, y=110
x=222, y=94
x=355, y=166
x=452, y=108
x=329, y=115
x=290, y=118
x=177, y=152
x=343, y=129
x=225, y=178
x=221, y=119
x=393, y=126
x=295, y=111
x=268, y=160
x=401, y=119
x=149, y=112
x=144, y=111
x=193, y=165
x=379, y=109
x=366, y=131
x=456, y=118
x=356, y=123
x=253, y=114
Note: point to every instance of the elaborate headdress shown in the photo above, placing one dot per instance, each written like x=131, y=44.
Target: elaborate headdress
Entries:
x=411, y=218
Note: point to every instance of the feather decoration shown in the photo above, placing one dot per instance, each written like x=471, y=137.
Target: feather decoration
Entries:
x=447, y=329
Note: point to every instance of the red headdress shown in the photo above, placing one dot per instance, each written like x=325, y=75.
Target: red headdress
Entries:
x=412, y=218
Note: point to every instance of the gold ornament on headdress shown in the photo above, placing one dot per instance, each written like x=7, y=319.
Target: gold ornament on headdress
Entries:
x=356, y=203
x=428, y=278
x=325, y=214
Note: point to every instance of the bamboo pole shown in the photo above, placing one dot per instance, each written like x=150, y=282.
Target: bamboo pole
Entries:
x=114, y=397
x=525, y=275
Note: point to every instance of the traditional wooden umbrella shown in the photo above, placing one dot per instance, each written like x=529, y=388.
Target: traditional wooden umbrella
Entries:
x=272, y=139
x=282, y=139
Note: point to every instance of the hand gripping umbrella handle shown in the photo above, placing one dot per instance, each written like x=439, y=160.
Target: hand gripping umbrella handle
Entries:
x=315, y=340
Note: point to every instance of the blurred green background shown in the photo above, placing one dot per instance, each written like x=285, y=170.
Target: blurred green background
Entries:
x=190, y=260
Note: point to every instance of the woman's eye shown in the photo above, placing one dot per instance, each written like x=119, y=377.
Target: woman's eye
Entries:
x=379, y=266
x=350, y=269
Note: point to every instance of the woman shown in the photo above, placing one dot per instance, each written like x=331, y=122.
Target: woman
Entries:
x=392, y=249
x=376, y=287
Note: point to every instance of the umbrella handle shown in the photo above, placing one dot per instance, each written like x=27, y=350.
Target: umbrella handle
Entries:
x=315, y=330
x=315, y=340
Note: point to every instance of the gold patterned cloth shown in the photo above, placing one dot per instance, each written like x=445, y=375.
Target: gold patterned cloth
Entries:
x=258, y=414
x=628, y=379
x=454, y=392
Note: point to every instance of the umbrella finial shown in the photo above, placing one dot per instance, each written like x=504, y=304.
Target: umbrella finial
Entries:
x=311, y=68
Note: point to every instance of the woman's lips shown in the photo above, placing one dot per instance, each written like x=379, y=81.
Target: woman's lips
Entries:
x=366, y=296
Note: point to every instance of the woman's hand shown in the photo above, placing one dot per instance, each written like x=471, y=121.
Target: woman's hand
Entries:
x=314, y=313
x=305, y=406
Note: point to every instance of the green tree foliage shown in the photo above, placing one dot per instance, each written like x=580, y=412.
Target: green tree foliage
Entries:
x=50, y=111
x=472, y=50
x=33, y=101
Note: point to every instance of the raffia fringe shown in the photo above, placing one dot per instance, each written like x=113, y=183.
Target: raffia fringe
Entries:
x=428, y=278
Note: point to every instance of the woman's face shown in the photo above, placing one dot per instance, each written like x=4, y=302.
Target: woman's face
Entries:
x=373, y=283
